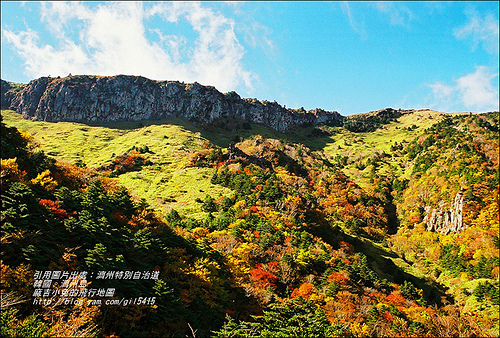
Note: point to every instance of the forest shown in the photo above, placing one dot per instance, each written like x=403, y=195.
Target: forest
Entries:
x=384, y=226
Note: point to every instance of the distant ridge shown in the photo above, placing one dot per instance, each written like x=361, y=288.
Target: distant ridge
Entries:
x=98, y=99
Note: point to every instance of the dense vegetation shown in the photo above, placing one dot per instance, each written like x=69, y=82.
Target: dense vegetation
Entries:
x=371, y=121
x=286, y=241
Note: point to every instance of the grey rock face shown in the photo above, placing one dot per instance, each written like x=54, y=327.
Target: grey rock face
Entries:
x=446, y=221
x=97, y=99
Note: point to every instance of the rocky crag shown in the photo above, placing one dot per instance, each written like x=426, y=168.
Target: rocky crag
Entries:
x=446, y=220
x=98, y=99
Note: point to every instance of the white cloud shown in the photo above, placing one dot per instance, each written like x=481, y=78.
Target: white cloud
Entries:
x=46, y=60
x=111, y=38
x=482, y=30
x=475, y=91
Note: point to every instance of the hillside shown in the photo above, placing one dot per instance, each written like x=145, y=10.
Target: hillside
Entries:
x=330, y=230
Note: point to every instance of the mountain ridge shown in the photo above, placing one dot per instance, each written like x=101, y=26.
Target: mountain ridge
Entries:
x=96, y=99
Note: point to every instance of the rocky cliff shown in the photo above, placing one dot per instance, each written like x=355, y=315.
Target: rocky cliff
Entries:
x=445, y=220
x=97, y=99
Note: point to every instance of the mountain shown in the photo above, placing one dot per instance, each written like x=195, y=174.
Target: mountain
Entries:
x=380, y=224
x=98, y=99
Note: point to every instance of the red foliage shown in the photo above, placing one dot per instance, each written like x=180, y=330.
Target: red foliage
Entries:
x=263, y=278
x=119, y=217
x=346, y=247
x=57, y=176
x=128, y=161
x=387, y=316
x=55, y=208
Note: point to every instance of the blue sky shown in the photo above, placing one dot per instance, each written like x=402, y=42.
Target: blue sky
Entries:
x=350, y=57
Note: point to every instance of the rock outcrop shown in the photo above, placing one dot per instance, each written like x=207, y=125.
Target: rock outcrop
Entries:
x=6, y=87
x=446, y=221
x=98, y=99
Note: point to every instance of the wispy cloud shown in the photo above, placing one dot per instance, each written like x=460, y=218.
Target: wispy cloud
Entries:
x=111, y=38
x=475, y=91
x=398, y=14
x=356, y=25
x=259, y=36
x=482, y=30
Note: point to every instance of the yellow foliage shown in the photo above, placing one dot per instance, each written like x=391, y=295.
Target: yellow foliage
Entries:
x=240, y=260
x=464, y=277
x=19, y=279
x=240, y=204
x=217, y=233
x=360, y=330
x=68, y=257
x=28, y=137
x=447, y=239
x=10, y=170
x=205, y=269
x=244, y=251
x=304, y=257
x=237, y=223
x=488, y=217
x=478, y=254
x=45, y=180
x=200, y=232
x=417, y=314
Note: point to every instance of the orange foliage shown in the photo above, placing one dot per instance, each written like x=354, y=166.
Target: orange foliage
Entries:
x=396, y=298
x=338, y=277
x=305, y=291
x=70, y=173
x=273, y=265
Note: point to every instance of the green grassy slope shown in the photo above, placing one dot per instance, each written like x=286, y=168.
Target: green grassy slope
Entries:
x=168, y=184
x=165, y=184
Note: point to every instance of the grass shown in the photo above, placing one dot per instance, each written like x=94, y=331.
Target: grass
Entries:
x=165, y=184
x=359, y=146
x=378, y=140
